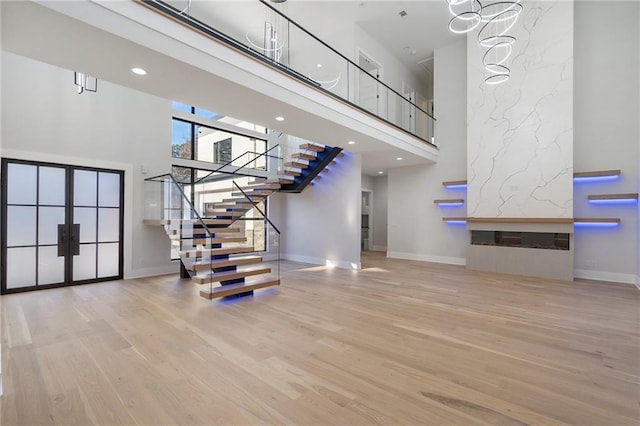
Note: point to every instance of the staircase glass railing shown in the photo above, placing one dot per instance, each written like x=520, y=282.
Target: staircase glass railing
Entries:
x=191, y=236
x=264, y=32
x=219, y=230
x=247, y=160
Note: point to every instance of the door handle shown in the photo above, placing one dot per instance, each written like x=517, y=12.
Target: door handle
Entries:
x=62, y=240
x=74, y=240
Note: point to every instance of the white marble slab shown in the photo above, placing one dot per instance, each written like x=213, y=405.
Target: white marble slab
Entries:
x=520, y=133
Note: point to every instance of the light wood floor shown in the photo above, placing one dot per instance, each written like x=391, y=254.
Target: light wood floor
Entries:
x=396, y=343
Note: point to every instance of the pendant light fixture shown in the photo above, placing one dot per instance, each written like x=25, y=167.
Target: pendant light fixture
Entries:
x=495, y=19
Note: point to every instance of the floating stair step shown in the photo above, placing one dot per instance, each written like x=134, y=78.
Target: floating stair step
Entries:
x=198, y=232
x=289, y=173
x=190, y=242
x=204, y=265
x=242, y=200
x=304, y=156
x=262, y=181
x=257, y=187
x=192, y=222
x=230, y=275
x=216, y=252
x=297, y=164
x=253, y=193
x=223, y=213
x=250, y=195
x=231, y=206
x=248, y=285
x=312, y=147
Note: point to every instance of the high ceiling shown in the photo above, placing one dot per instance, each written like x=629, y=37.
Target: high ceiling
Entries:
x=319, y=17
x=412, y=38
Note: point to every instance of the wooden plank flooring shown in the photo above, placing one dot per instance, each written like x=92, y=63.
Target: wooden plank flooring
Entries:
x=397, y=343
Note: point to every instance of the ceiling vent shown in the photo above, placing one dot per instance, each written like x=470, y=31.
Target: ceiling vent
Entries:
x=402, y=13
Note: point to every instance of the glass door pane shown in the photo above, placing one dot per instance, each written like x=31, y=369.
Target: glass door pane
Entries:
x=34, y=208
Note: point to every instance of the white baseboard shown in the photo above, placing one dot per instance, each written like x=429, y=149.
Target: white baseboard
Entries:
x=606, y=276
x=427, y=258
x=379, y=248
x=320, y=261
x=152, y=272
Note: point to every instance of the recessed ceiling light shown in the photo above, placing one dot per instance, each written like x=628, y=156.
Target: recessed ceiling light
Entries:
x=351, y=142
x=319, y=65
x=380, y=172
x=279, y=118
x=399, y=158
x=139, y=71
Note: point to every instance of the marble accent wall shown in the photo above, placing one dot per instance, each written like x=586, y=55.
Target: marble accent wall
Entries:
x=520, y=133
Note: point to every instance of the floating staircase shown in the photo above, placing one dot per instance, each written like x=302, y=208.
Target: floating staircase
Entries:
x=211, y=247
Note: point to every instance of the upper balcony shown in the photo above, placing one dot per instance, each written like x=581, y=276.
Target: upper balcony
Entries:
x=258, y=67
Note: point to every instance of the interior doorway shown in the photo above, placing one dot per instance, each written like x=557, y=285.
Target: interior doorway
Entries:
x=366, y=221
x=369, y=90
x=61, y=225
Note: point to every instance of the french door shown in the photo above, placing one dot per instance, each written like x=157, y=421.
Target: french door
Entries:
x=61, y=225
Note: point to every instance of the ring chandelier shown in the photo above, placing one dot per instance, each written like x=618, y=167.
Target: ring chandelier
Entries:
x=495, y=19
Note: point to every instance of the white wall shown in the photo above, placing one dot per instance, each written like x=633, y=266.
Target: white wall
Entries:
x=46, y=120
x=416, y=230
x=323, y=222
x=606, y=133
x=393, y=73
x=520, y=133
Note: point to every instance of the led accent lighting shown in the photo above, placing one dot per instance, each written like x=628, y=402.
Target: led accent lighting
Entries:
x=586, y=179
x=458, y=186
x=616, y=201
x=455, y=222
x=458, y=204
x=596, y=224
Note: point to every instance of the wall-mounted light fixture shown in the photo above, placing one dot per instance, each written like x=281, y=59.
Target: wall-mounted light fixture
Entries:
x=85, y=82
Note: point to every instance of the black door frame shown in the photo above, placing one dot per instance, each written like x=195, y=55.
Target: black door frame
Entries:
x=68, y=267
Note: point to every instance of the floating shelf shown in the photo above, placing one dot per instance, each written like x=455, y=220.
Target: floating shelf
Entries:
x=611, y=220
x=454, y=219
x=613, y=198
x=606, y=221
x=450, y=202
x=597, y=175
x=455, y=184
x=520, y=219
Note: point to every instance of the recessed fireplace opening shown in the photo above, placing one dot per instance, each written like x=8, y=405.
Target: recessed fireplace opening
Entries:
x=536, y=240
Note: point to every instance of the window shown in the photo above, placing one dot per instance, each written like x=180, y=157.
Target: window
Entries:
x=222, y=151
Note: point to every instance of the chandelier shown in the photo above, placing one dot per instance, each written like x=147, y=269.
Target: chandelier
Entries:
x=495, y=19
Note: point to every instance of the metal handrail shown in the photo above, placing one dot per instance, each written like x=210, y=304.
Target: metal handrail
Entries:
x=255, y=205
x=212, y=32
x=228, y=163
x=341, y=55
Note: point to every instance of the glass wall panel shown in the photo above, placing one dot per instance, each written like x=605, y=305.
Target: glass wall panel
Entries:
x=181, y=142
